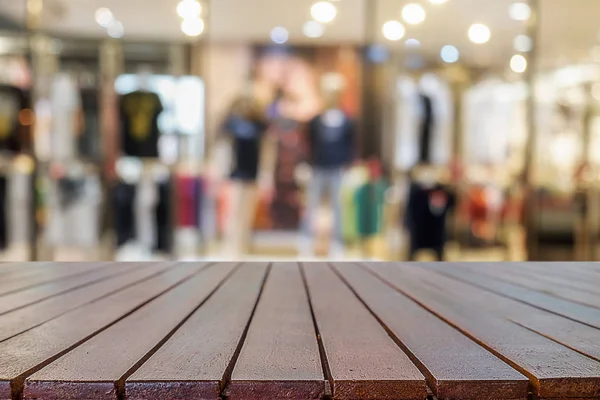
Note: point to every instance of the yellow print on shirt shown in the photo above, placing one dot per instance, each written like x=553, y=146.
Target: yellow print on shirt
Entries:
x=140, y=110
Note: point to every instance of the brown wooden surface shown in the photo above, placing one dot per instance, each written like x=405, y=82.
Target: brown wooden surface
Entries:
x=45, y=276
x=25, y=354
x=250, y=331
x=196, y=361
x=353, y=340
x=464, y=370
x=280, y=356
x=35, y=294
x=554, y=370
x=20, y=320
x=578, y=312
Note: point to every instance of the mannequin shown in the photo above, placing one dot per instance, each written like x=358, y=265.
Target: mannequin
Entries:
x=245, y=125
x=429, y=202
x=331, y=145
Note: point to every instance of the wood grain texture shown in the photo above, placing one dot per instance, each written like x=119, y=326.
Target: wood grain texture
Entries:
x=514, y=274
x=577, y=312
x=26, y=353
x=192, y=364
x=19, y=321
x=455, y=366
x=574, y=335
x=25, y=297
x=105, y=358
x=280, y=358
x=15, y=269
x=47, y=276
x=554, y=370
x=364, y=362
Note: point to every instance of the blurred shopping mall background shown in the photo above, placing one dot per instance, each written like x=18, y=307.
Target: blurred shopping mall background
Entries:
x=274, y=129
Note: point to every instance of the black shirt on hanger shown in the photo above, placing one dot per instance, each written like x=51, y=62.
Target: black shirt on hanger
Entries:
x=425, y=138
x=247, y=135
x=12, y=101
x=139, y=123
x=89, y=140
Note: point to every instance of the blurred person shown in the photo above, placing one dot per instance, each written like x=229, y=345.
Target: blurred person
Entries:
x=331, y=136
x=246, y=125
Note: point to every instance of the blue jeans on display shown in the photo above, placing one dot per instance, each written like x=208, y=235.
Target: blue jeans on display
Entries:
x=324, y=180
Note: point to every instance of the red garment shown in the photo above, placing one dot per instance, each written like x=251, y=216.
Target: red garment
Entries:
x=187, y=203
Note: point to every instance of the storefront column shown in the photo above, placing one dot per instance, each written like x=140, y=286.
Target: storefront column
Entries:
x=533, y=31
x=111, y=65
x=44, y=64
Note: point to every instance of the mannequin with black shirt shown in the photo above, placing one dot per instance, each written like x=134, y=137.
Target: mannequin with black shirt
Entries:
x=429, y=202
x=245, y=126
x=331, y=136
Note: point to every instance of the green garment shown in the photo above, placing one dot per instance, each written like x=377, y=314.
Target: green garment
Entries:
x=370, y=202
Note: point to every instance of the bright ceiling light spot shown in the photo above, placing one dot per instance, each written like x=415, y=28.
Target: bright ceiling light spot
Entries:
x=412, y=43
x=115, y=30
x=520, y=11
x=323, y=11
x=479, y=33
x=280, y=35
x=189, y=9
x=393, y=30
x=313, y=29
x=437, y=1
x=518, y=63
x=413, y=14
x=104, y=17
x=450, y=54
x=523, y=44
x=192, y=27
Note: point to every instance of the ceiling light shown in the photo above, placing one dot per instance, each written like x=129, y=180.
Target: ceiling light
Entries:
x=393, y=30
x=479, y=33
x=413, y=14
x=437, y=1
x=280, y=35
x=189, y=9
x=104, y=17
x=450, y=54
x=323, y=11
x=115, y=30
x=518, y=63
x=412, y=43
x=519, y=11
x=523, y=44
x=192, y=27
x=313, y=29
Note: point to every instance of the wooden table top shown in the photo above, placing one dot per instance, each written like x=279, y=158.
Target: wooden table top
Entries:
x=159, y=331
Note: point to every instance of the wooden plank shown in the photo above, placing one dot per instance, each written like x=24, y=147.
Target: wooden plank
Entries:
x=46, y=276
x=92, y=370
x=364, y=362
x=25, y=354
x=574, y=335
x=554, y=370
x=19, y=321
x=30, y=296
x=454, y=365
x=195, y=362
x=280, y=357
x=577, y=312
x=530, y=282
x=16, y=269
x=567, y=279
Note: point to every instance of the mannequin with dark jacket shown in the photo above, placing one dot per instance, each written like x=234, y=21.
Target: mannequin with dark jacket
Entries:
x=331, y=136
